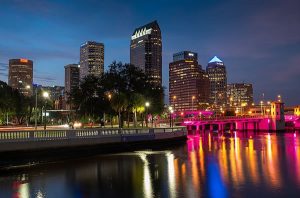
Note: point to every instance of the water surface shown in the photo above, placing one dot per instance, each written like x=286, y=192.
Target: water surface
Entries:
x=208, y=165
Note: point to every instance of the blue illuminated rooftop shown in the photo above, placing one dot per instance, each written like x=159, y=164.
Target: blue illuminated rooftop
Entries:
x=215, y=59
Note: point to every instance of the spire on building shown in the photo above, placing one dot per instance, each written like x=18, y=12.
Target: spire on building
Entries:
x=215, y=59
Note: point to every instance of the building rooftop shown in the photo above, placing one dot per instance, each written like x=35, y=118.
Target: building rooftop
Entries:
x=215, y=59
x=147, y=26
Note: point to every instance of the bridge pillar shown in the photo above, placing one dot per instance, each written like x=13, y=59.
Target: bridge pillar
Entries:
x=239, y=126
x=203, y=128
x=211, y=127
x=221, y=127
x=231, y=126
x=254, y=126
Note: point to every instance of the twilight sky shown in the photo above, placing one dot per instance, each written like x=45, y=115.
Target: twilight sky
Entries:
x=258, y=40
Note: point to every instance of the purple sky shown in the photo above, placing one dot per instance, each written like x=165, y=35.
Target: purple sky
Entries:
x=258, y=40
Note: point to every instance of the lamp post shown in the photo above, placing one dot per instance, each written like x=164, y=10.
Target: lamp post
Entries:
x=147, y=104
x=174, y=98
x=110, y=117
x=45, y=95
x=279, y=98
x=171, y=111
x=28, y=88
x=261, y=107
x=193, y=98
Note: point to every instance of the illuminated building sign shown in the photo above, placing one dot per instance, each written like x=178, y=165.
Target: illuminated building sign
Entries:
x=141, y=32
x=191, y=54
x=23, y=60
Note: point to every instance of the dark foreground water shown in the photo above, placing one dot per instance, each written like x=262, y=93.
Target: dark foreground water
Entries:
x=236, y=165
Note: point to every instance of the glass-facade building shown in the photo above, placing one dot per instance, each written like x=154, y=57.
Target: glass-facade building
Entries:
x=239, y=95
x=91, y=59
x=146, y=51
x=20, y=75
x=188, y=83
x=71, y=77
x=217, y=75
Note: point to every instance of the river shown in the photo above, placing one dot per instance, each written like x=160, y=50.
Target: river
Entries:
x=207, y=165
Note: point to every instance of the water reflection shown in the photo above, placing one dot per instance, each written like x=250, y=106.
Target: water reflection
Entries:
x=212, y=165
x=147, y=181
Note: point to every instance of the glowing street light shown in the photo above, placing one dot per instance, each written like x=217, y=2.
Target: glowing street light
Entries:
x=193, y=98
x=46, y=96
x=261, y=107
x=147, y=104
x=171, y=112
x=174, y=98
x=279, y=98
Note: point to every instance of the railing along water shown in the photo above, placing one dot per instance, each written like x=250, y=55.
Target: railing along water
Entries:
x=52, y=135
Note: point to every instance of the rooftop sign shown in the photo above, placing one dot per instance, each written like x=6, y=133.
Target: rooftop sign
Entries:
x=141, y=32
x=23, y=60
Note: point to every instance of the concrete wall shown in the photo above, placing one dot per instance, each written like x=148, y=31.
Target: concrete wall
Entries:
x=35, y=140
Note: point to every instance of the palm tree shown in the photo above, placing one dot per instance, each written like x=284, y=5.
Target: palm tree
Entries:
x=137, y=103
x=119, y=103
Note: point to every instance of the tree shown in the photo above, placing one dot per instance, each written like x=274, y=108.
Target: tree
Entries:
x=128, y=87
x=119, y=103
x=137, y=105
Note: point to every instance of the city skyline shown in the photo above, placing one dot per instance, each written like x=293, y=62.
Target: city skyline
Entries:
x=251, y=53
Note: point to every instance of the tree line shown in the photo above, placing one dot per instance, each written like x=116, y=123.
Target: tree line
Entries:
x=121, y=91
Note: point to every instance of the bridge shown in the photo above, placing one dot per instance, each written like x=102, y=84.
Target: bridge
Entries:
x=241, y=123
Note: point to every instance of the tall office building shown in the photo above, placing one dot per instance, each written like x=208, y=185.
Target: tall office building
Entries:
x=20, y=75
x=146, y=51
x=91, y=59
x=71, y=77
x=239, y=95
x=216, y=71
x=188, y=83
x=72, y=81
x=204, y=89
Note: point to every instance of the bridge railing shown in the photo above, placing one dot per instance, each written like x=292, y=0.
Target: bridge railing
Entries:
x=225, y=118
x=20, y=136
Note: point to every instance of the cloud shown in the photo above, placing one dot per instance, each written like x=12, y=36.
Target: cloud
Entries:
x=3, y=74
x=42, y=77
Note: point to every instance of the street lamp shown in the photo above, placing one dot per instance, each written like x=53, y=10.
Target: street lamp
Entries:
x=242, y=107
x=171, y=111
x=174, y=98
x=279, y=98
x=193, y=98
x=35, y=116
x=45, y=95
x=28, y=88
x=147, y=104
x=261, y=108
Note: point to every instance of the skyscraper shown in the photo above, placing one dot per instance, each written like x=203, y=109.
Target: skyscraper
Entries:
x=239, y=95
x=188, y=83
x=91, y=59
x=216, y=71
x=146, y=51
x=71, y=77
x=20, y=75
x=71, y=80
